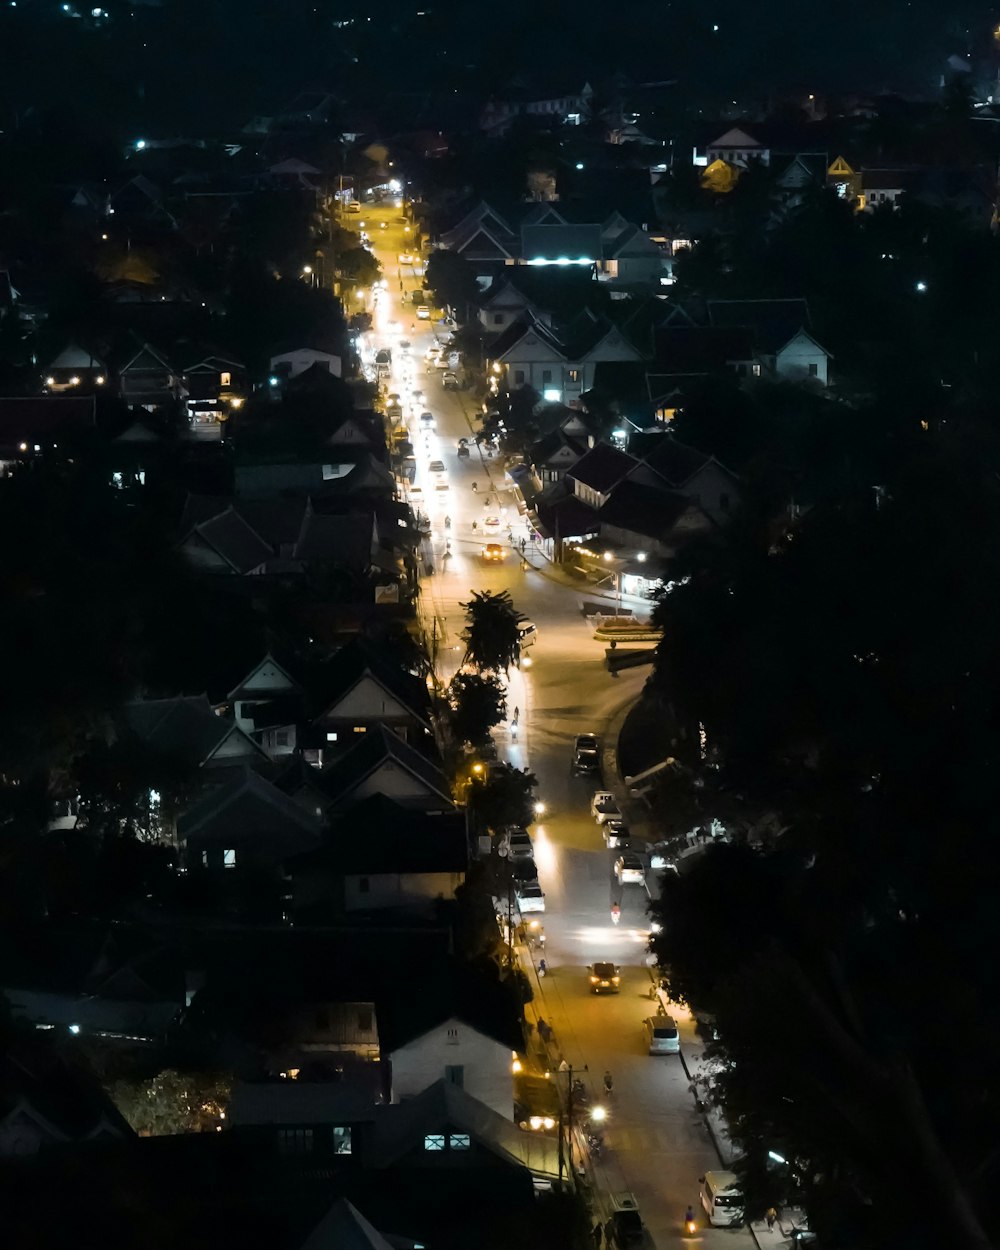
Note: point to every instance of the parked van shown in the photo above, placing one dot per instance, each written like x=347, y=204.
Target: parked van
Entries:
x=662, y=1036
x=722, y=1198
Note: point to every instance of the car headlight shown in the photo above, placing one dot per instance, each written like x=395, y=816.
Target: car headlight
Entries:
x=593, y=980
x=536, y=1122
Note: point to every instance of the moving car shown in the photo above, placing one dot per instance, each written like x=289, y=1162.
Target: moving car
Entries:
x=517, y=843
x=492, y=525
x=353, y=207
x=423, y=312
x=527, y=633
x=629, y=870
x=494, y=551
x=604, y=806
x=529, y=898
x=427, y=420
x=662, y=1037
x=586, y=753
x=449, y=380
x=437, y=466
x=605, y=977
x=416, y=494
x=463, y=449
x=405, y=258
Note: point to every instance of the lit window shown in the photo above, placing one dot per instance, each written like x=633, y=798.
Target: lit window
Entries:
x=331, y=737
x=229, y=859
x=573, y=375
x=341, y=1139
x=226, y=379
x=360, y=729
x=459, y=1141
x=434, y=1141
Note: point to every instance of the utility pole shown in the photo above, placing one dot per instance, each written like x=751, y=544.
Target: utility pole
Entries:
x=566, y=1126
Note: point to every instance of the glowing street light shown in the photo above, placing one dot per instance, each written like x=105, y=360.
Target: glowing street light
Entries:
x=598, y=1115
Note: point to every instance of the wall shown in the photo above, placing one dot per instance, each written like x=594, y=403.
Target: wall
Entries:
x=794, y=360
x=485, y=1064
x=388, y=890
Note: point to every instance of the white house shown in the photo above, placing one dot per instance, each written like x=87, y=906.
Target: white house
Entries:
x=736, y=147
x=290, y=364
x=459, y=1054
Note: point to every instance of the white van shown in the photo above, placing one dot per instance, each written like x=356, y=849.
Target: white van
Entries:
x=722, y=1198
x=662, y=1036
x=527, y=632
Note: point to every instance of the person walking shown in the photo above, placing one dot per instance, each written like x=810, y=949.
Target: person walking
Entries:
x=517, y=715
x=771, y=1215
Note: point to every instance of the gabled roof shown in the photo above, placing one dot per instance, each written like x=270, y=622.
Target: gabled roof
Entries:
x=344, y=540
x=396, y=839
x=287, y=681
x=146, y=358
x=73, y=356
x=644, y=509
x=674, y=461
x=185, y=728
x=276, y=522
x=555, y=242
x=556, y=440
x=375, y=748
x=773, y=322
x=602, y=467
x=234, y=540
x=246, y=807
x=735, y=138
x=355, y=660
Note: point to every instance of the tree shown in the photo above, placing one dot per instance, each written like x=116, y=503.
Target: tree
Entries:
x=450, y=276
x=357, y=264
x=845, y=676
x=173, y=1102
x=476, y=703
x=491, y=634
x=506, y=797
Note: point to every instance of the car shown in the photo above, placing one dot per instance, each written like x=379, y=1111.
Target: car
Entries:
x=524, y=871
x=432, y=353
x=404, y=344
x=529, y=897
x=494, y=551
x=629, y=870
x=517, y=843
x=527, y=634
x=615, y=834
x=416, y=494
x=463, y=449
x=626, y=1222
x=417, y=398
x=423, y=312
x=427, y=421
x=441, y=487
x=662, y=1037
x=437, y=466
x=353, y=207
x=604, y=806
x=605, y=977
x=492, y=525
x=586, y=753
x=405, y=258
x=449, y=380
x=383, y=356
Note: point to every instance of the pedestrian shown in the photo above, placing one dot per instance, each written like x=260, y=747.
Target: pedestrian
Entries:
x=598, y=1235
x=524, y=543
x=517, y=714
x=771, y=1216
x=544, y=1032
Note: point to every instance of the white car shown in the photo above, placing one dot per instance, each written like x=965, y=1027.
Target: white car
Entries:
x=529, y=897
x=405, y=258
x=629, y=870
x=604, y=806
x=427, y=421
x=423, y=312
x=492, y=525
x=517, y=844
x=416, y=494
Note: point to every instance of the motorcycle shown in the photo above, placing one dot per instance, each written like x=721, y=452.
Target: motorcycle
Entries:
x=595, y=1142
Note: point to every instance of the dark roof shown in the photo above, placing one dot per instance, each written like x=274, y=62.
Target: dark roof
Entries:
x=550, y=443
x=772, y=322
x=560, y=514
x=552, y=242
x=43, y=419
x=247, y=807
x=86, y=958
x=375, y=747
x=643, y=509
x=888, y=179
x=602, y=467
x=184, y=728
x=690, y=350
x=65, y=1093
x=234, y=540
x=344, y=540
x=350, y=664
x=379, y=835
x=675, y=461
x=560, y=291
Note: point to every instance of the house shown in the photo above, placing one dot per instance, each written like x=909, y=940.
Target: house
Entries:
x=246, y=823
x=640, y=520
x=555, y=453
x=345, y=1228
x=461, y=1031
x=75, y=368
x=268, y=705
x=289, y=364
x=558, y=363
x=147, y=380
x=380, y=762
x=215, y=386
x=737, y=148
x=695, y=476
x=33, y=426
x=548, y=294
x=561, y=244
x=780, y=330
x=382, y=855
x=692, y=351
x=844, y=179
x=596, y=474
x=631, y=259
x=188, y=731
x=361, y=691
x=46, y=1101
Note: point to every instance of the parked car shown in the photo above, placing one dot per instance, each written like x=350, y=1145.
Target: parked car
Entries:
x=353, y=207
x=524, y=871
x=423, y=312
x=629, y=870
x=517, y=843
x=605, y=977
x=662, y=1037
x=437, y=466
x=615, y=834
x=604, y=806
x=529, y=898
x=626, y=1222
x=449, y=380
x=586, y=753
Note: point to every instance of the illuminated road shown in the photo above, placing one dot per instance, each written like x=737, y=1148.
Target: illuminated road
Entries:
x=656, y=1144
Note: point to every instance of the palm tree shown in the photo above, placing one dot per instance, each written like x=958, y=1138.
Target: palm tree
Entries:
x=491, y=635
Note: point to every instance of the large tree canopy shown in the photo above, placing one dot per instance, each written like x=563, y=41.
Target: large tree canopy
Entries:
x=846, y=679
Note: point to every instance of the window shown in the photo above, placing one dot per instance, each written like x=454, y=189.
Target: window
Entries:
x=360, y=729
x=546, y=376
x=434, y=1141
x=364, y=885
x=459, y=1141
x=756, y=371
x=573, y=375
x=282, y=738
x=452, y=1036
x=498, y=319
x=225, y=379
x=454, y=1074
x=331, y=736
x=341, y=1139
x=295, y=1141
x=813, y=369
x=229, y=859
x=364, y=1019
x=518, y=377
